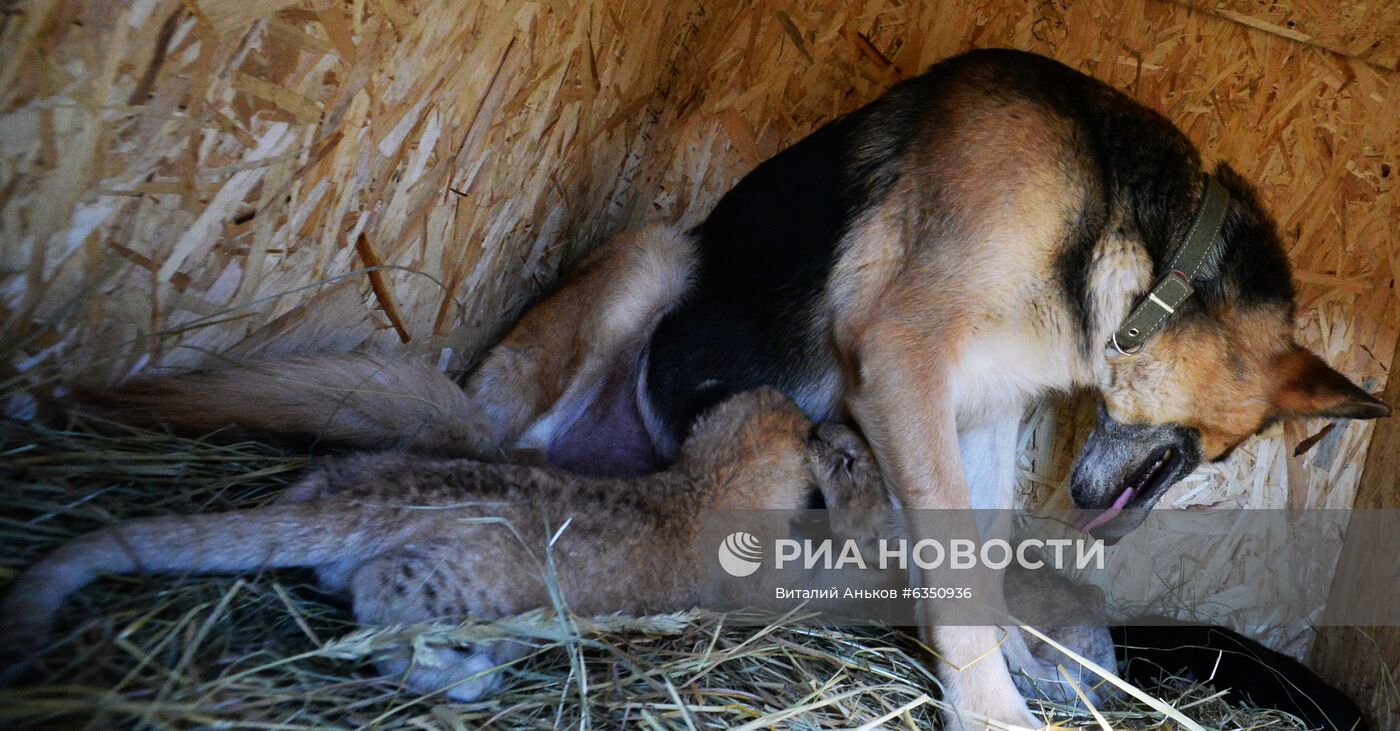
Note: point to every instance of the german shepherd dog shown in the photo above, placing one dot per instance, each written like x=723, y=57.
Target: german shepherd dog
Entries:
x=926, y=265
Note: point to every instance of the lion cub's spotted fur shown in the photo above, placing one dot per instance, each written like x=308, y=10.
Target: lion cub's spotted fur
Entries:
x=413, y=538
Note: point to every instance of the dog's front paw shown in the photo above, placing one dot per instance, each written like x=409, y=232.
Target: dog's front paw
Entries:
x=1036, y=665
x=977, y=707
x=1014, y=716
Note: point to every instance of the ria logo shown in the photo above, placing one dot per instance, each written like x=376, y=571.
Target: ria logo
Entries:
x=740, y=554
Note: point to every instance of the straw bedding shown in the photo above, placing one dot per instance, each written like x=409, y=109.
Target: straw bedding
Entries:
x=270, y=651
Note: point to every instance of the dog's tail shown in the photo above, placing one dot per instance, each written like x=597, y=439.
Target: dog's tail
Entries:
x=355, y=400
x=279, y=536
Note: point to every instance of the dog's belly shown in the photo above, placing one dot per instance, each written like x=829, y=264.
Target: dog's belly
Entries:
x=607, y=437
x=619, y=430
x=709, y=353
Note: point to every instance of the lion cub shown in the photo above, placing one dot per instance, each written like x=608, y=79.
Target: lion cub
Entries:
x=412, y=539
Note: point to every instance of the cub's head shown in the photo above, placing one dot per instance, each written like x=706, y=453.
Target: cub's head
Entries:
x=759, y=450
x=1224, y=368
x=751, y=450
x=847, y=477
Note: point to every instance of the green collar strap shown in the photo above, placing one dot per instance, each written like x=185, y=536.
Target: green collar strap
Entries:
x=1174, y=287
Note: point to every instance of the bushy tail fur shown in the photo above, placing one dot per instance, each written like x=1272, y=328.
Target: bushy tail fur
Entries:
x=280, y=536
x=355, y=400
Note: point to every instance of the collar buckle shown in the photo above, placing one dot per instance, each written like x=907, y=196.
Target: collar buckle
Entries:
x=1173, y=288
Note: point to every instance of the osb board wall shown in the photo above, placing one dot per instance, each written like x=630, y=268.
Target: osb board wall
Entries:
x=1317, y=130
x=1364, y=661
x=222, y=172
x=1364, y=29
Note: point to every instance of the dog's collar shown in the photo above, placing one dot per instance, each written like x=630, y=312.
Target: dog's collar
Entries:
x=1172, y=288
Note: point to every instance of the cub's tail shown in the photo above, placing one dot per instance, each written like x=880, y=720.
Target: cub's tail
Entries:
x=279, y=536
x=356, y=400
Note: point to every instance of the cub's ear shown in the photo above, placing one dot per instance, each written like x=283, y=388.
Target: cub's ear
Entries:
x=1311, y=388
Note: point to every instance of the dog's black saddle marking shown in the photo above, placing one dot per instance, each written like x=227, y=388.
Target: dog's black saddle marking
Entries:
x=765, y=252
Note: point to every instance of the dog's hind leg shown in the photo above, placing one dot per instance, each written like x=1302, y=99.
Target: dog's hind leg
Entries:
x=576, y=355
x=546, y=372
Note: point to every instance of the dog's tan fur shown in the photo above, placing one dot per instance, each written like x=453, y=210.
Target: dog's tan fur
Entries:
x=540, y=374
x=1226, y=378
x=359, y=399
x=915, y=325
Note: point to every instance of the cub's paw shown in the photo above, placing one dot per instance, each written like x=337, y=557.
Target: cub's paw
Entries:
x=461, y=674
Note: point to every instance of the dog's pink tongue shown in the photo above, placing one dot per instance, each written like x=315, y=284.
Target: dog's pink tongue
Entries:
x=1109, y=514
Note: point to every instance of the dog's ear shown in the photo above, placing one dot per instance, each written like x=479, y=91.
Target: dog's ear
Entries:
x=1311, y=388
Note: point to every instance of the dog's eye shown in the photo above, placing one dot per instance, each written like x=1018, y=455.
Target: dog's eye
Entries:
x=848, y=463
